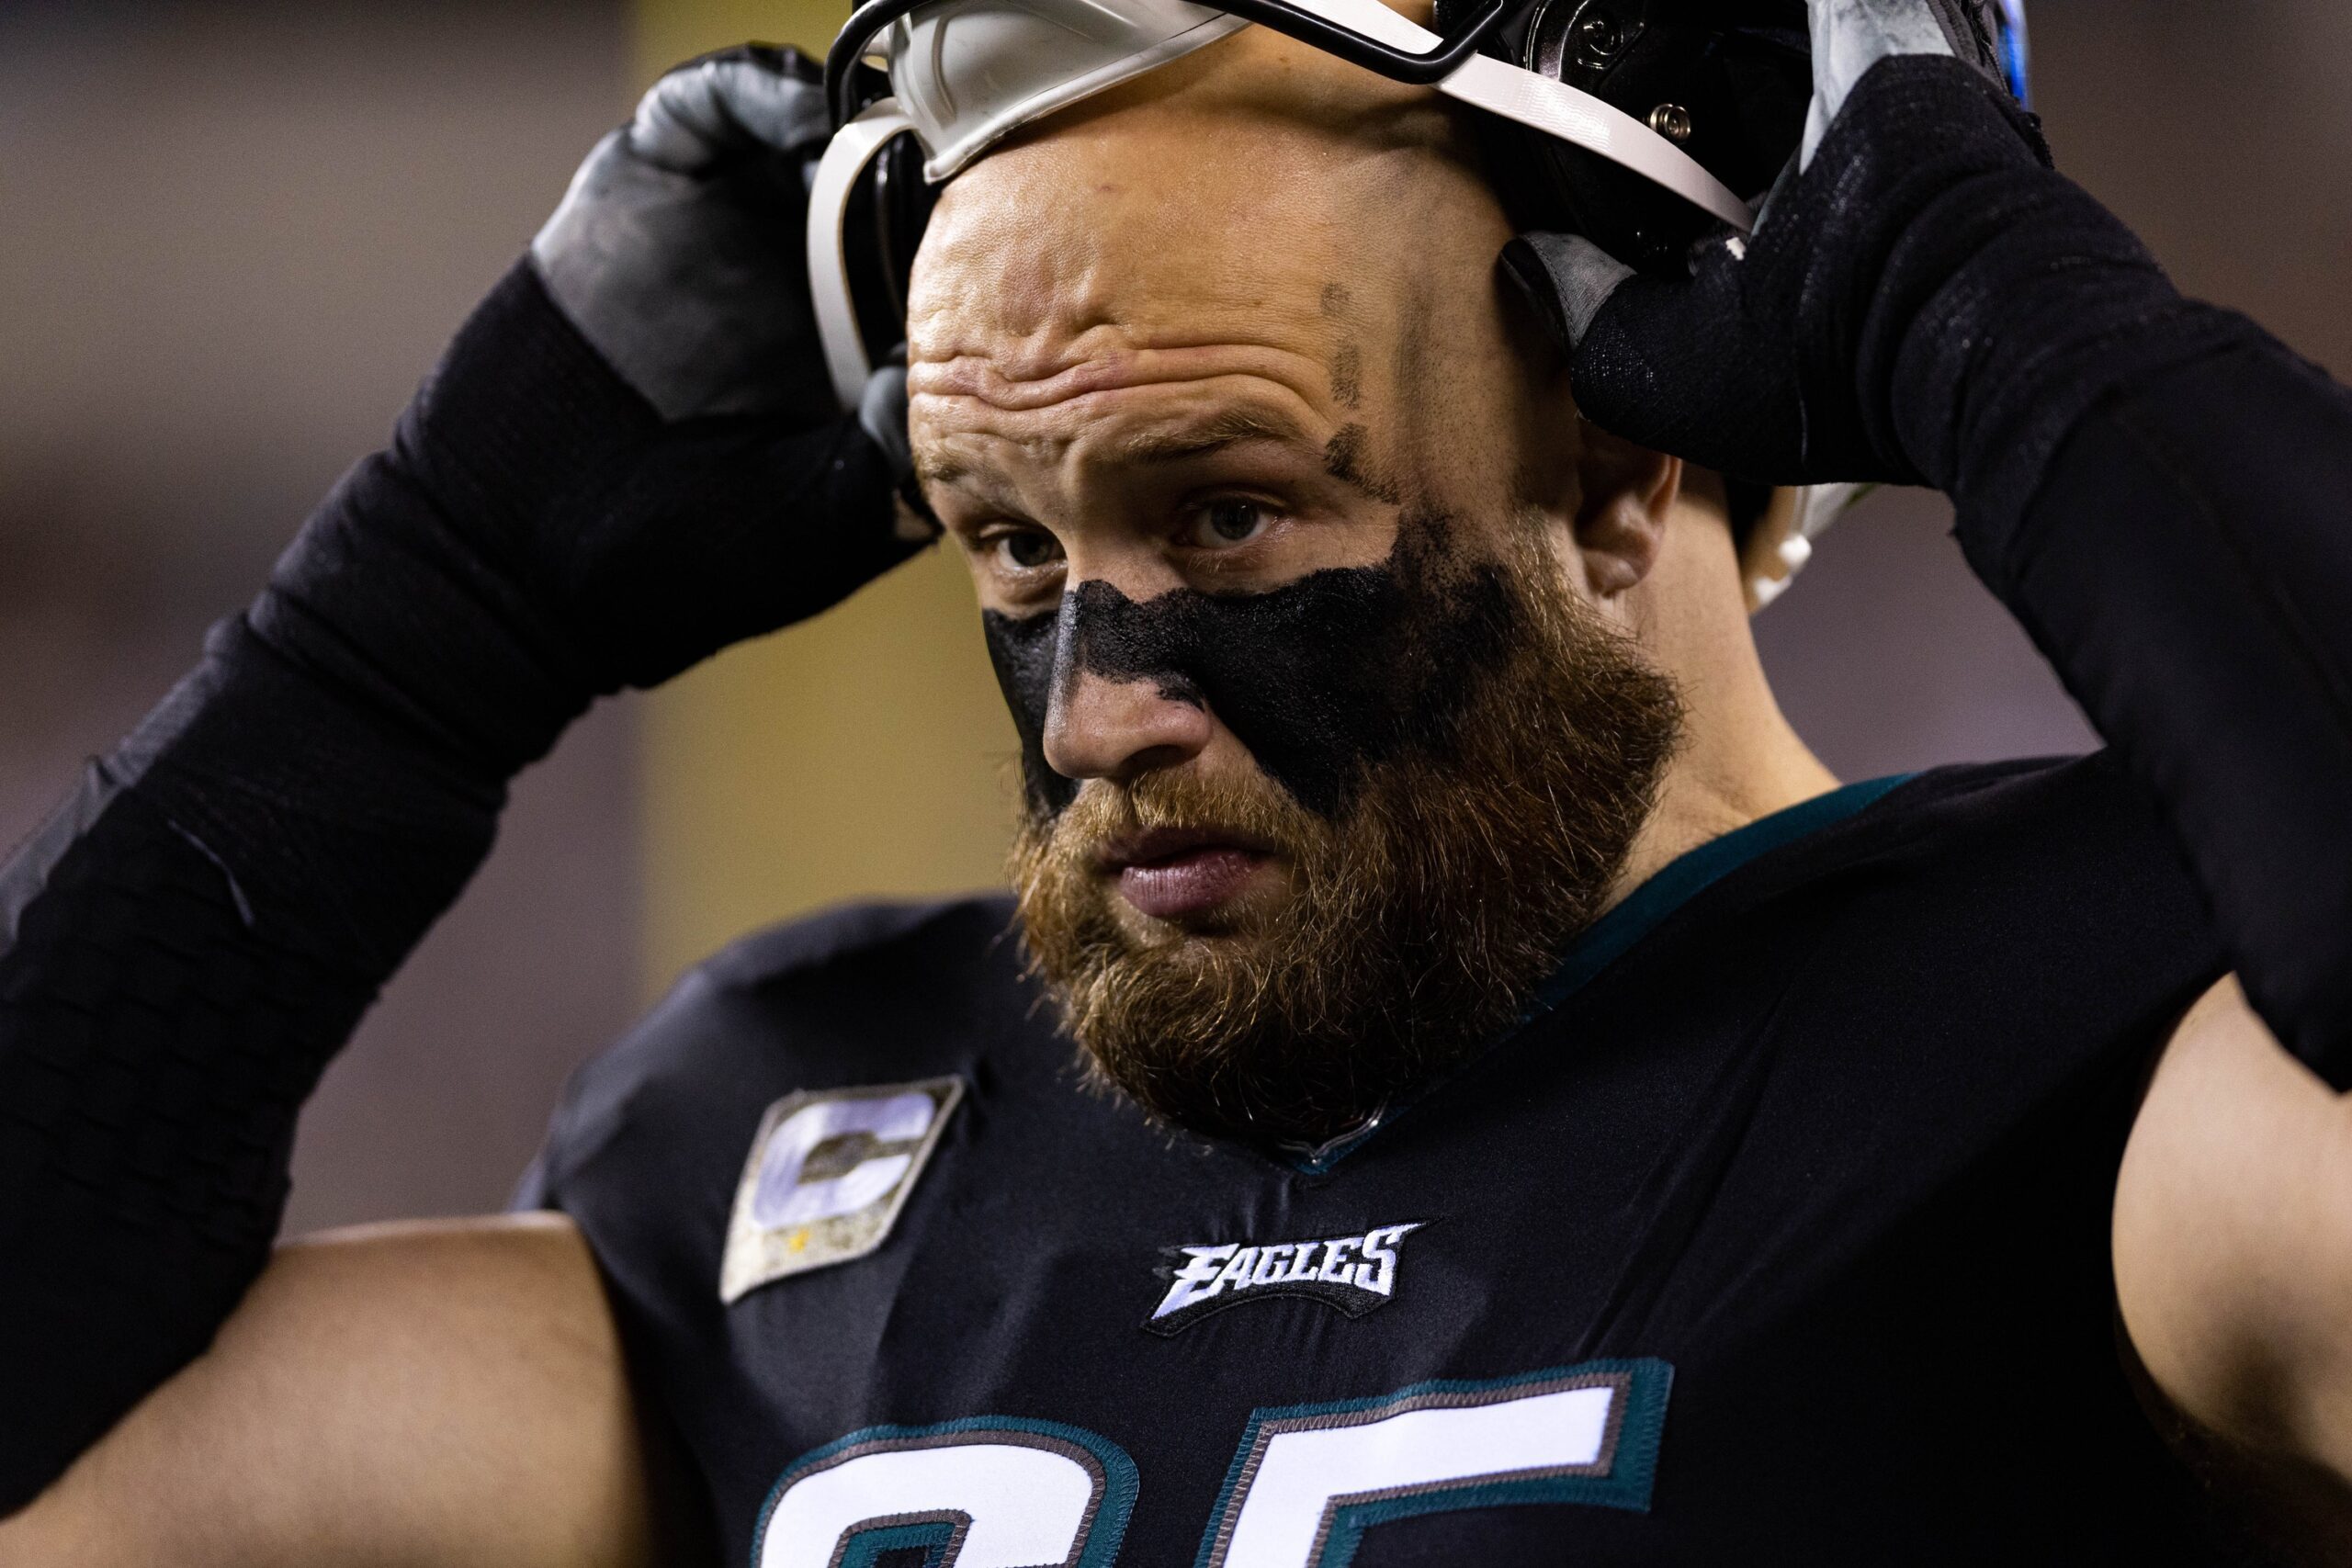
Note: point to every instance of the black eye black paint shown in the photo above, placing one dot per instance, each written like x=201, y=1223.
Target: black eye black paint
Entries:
x=1344, y=458
x=1321, y=678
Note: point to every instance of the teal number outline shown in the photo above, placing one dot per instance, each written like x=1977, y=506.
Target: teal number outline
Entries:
x=1104, y=1531
x=867, y=1547
x=1626, y=1483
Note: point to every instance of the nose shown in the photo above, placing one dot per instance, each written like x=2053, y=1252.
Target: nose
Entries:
x=1101, y=728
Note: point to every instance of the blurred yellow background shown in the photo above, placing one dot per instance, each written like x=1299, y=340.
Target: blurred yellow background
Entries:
x=233, y=233
x=671, y=31
x=865, y=754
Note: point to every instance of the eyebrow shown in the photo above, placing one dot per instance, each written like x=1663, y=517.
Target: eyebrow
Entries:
x=931, y=471
x=1227, y=427
x=1167, y=443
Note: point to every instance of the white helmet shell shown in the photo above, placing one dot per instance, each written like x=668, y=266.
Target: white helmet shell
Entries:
x=966, y=71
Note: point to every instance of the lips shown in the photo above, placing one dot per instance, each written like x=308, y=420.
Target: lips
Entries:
x=1178, y=873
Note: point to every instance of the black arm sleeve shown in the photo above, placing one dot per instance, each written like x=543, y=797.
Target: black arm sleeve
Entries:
x=195, y=934
x=2159, y=491
x=190, y=941
x=162, y=1019
x=2186, y=563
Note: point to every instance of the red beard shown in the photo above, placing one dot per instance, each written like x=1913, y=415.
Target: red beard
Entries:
x=1418, y=922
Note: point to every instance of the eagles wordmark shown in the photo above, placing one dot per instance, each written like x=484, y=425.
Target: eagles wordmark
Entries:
x=1353, y=1274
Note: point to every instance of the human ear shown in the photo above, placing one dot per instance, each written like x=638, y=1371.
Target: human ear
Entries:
x=1624, y=495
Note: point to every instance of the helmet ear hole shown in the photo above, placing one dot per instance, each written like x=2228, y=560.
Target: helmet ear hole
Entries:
x=1727, y=81
x=903, y=200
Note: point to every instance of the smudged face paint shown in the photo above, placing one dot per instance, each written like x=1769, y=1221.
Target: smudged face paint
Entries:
x=1321, y=679
x=1412, y=926
x=1437, y=778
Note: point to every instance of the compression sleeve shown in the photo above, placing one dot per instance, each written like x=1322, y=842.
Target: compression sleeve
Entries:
x=2185, y=560
x=2160, y=491
x=195, y=934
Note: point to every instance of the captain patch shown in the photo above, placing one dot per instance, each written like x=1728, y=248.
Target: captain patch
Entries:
x=1354, y=1273
x=829, y=1172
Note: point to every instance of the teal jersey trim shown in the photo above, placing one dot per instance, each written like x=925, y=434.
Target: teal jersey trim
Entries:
x=1691, y=874
x=1621, y=930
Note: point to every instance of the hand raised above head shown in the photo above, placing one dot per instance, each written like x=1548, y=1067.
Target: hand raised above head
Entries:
x=636, y=434
x=678, y=250
x=1887, y=319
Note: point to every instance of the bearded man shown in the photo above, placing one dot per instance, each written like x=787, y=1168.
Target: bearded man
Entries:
x=1469, y=1085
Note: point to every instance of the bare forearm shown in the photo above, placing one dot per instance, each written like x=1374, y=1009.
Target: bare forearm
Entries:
x=2234, y=1240
x=440, y=1395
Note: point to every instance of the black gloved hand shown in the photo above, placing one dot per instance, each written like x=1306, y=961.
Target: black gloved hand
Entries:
x=1923, y=301
x=631, y=456
x=636, y=434
x=2153, y=487
x=678, y=251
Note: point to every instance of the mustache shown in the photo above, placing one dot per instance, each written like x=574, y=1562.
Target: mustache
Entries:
x=1252, y=810
x=1419, y=918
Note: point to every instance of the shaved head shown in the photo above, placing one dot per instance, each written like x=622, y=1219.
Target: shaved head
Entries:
x=1271, y=503
x=1258, y=211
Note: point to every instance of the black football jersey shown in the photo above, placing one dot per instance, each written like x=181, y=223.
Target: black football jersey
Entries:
x=1777, y=1232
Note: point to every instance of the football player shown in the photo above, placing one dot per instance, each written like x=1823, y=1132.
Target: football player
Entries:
x=1522, y=1108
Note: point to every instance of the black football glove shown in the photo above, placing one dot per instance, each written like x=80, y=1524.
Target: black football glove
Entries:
x=1917, y=304
x=678, y=251
x=679, y=255
x=631, y=456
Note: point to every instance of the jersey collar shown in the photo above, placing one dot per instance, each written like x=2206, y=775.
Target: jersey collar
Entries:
x=1621, y=930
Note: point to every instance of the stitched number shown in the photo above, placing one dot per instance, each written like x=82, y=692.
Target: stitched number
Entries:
x=1306, y=1484
x=1310, y=1479
x=978, y=1493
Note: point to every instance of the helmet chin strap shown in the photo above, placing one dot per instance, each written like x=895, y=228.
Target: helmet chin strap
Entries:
x=1783, y=542
x=1539, y=101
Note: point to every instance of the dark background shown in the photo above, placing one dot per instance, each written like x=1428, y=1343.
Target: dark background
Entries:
x=232, y=237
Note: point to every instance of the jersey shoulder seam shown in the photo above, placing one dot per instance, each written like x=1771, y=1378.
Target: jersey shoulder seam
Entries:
x=841, y=933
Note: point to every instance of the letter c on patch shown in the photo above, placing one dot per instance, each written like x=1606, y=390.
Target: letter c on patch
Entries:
x=783, y=1199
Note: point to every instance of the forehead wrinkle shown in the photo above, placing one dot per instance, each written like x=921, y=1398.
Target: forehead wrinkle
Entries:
x=1126, y=429
x=1132, y=413
x=1018, y=378
x=1017, y=341
x=944, y=468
